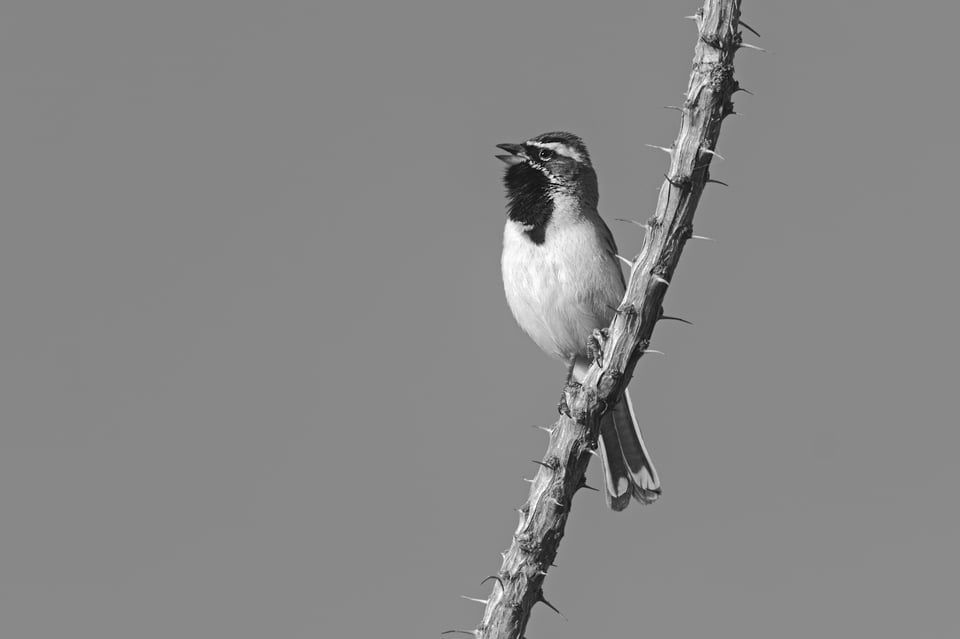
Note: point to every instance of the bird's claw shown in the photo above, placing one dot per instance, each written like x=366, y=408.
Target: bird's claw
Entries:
x=596, y=343
x=563, y=407
x=604, y=406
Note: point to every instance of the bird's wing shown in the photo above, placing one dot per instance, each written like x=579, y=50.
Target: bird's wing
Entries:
x=606, y=237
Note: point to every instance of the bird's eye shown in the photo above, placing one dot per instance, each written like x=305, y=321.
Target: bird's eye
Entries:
x=546, y=155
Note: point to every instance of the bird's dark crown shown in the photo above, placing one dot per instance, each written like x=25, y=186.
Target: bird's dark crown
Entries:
x=550, y=164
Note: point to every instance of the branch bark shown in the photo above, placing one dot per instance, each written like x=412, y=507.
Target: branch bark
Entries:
x=573, y=440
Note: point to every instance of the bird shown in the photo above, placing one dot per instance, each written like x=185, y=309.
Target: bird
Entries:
x=562, y=280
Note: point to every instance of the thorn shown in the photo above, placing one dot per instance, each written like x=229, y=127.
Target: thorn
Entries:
x=742, y=90
x=752, y=46
x=547, y=466
x=472, y=633
x=676, y=319
x=499, y=581
x=625, y=261
x=593, y=452
x=674, y=108
x=677, y=184
x=702, y=237
x=588, y=487
x=483, y=601
x=750, y=29
x=662, y=148
x=552, y=607
x=650, y=350
x=713, y=153
x=661, y=279
x=529, y=481
x=642, y=225
x=542, y=573
x=712, y=181
x=694, y=17
x=556, y=501
x=547, y=429
x=503, y=555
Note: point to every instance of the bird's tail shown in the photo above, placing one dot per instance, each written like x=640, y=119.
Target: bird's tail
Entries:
x=627, y=468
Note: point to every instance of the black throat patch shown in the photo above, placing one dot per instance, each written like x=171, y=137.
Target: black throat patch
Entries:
x=530, y=203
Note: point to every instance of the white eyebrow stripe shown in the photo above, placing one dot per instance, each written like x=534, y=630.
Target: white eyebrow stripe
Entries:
x=558, y=147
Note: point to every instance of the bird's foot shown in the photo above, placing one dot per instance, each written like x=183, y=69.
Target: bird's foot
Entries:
x=596, y=343
x=571, y=387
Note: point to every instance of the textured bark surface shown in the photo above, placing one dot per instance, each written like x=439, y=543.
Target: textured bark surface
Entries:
x=518, y=586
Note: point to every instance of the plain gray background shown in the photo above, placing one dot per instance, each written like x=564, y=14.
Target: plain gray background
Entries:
x=258, y=378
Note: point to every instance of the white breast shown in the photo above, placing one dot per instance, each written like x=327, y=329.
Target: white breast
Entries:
x=561, y=290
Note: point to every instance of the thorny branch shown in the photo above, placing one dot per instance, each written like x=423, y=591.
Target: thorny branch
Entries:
x=518, y=586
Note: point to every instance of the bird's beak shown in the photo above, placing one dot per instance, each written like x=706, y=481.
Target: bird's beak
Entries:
x=516, y=153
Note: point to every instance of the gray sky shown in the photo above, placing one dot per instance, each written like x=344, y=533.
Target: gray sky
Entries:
x=258, y=377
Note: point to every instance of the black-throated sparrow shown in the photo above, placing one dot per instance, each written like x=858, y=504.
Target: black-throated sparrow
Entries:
x=562, y=280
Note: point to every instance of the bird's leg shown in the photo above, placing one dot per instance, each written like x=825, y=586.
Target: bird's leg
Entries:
x=596, y=343
x=571, y=384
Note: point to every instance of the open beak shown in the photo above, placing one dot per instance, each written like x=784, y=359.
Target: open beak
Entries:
x=515, y=151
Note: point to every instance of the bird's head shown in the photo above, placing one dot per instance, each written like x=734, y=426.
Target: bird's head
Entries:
x=543, y=167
